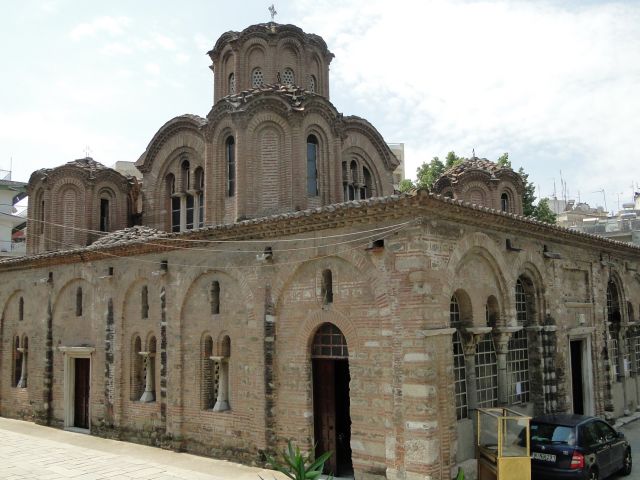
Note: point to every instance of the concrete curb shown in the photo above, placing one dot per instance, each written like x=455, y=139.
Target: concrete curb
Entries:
x=622, y=421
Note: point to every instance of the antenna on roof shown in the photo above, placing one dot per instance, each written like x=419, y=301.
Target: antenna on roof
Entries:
x=87, y=152
x=473, y=153
x=272, y=11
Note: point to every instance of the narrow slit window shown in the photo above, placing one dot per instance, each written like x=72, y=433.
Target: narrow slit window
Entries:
x=327, y=287
x=144, y=302
x=232, y=83
x=189, y=212
x=104, y=215
x=230, y=149
x=79, y=302
x=312, y=166
x=41, y=226
x=504, y=202
x=21, y=309
x=175, y=214
x=215, y=298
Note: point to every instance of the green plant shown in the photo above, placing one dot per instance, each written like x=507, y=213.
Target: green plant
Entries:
x=297, y=466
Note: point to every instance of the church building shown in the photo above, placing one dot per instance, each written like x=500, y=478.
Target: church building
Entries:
x=261, y=281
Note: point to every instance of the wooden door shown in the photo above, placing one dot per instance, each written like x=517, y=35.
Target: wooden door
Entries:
x=81, y=394
x=324, y=406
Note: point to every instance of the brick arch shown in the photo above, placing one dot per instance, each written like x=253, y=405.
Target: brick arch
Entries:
x=308, y=328
x=479, y=245
x=193, y=279
x=358, y=260
x=364, y=160
x=616, y=278
x=79, y=281
x=531, y=269
x=5, y=305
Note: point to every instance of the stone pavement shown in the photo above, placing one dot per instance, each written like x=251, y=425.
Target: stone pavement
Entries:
x=33, y=452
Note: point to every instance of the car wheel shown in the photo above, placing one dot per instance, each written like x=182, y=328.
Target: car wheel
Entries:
x=627, y=463
x=593, y=474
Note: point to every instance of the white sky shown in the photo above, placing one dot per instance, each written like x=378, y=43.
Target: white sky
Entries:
x=555, y=84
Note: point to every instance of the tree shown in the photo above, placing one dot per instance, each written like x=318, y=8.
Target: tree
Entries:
x=543, y=212
x=428, y=173
x=406, y=185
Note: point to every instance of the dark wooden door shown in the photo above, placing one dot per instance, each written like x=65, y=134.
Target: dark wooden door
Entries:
x=81, y=400
x=576, y=377
x=324, y=406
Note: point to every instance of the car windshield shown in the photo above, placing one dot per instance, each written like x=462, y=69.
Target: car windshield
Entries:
x=552, y=434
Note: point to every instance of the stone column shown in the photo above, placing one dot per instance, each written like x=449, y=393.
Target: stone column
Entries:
x=470, y=338
x=501, y=336
x=222, y=402
x=149, y=391
x=22, y=383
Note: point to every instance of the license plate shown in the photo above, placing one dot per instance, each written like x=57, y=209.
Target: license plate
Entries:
x=547, y=457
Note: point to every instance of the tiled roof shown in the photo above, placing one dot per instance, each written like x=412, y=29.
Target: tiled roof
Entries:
x=473, y=163
x=294, y=94
x=128, y=235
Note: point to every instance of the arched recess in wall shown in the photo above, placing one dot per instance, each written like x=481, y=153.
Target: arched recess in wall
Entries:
x=256, y=62
x=69, y=328
x=70, y=217
x=359, y=175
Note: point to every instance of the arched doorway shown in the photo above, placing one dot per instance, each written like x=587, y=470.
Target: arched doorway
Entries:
x=332, y=422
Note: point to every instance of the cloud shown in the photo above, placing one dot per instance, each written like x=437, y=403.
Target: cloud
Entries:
x=113, y=26
x=551, y=84
x=152, y=68
x=116, y=49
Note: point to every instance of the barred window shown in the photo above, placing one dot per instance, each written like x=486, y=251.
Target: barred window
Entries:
x=288, y=78
x=329, y=342
x=629, y=351
x=459, y=371
x=232, y=84
x=312, y=84
x=613, y=319
x=518, y=368
x=636, y=345
x=486, y=373
x=257, y=77
x=518, y=353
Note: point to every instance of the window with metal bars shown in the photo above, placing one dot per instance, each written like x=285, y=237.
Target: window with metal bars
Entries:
x=486, y=373
x=518, y=352
x=459, y=370
x=288, y=77
x=329, y=342
x=629, y=352
x=613, y=321
x=257, y=77
x=636, y=350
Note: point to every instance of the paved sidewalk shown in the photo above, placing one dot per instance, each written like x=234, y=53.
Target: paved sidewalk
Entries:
x=30, y=452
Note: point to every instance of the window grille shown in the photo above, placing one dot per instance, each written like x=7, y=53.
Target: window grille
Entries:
x=636, y=351
x=613, y=355
x=454, y=312
x=459, y=373
x=486, y=373
x=257, y=77
x=518, y=368
x=329, y=342
x=175, y=214
x=312, y=84
x=629, y=352
x=288, y=78
x=518, y=353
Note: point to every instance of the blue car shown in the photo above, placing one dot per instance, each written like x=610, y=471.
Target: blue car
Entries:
x=567, y=446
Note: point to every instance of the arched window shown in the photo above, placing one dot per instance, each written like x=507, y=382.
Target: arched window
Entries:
x=137, y=378
x=518, y=351
x=17, y=363
x=199, y=177
x=215, y=297
x=288, y=77
x=42, y=217
x=257, y=77
x=210, y=375
x=223, y=359
x=312, y=166
x=144, y=302
x=459, y=370
x=104, y=214
x=232, y=83
x=312, y=84
x=504, y=203
x=79, y=302
x=613, y=327
x=185, y=171
x=365, y=190
x=21, y=309
x=230, y=153
x=329, y=342
x=174, y=202
x=24, y=351
x=326, y=290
